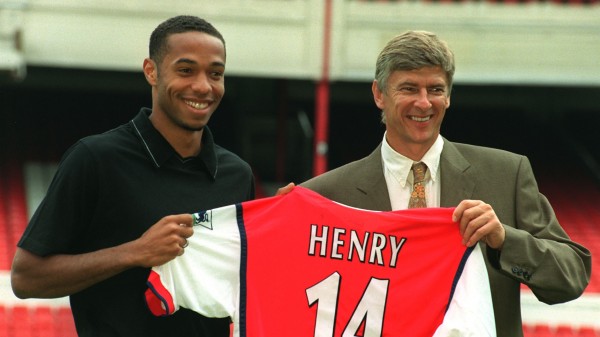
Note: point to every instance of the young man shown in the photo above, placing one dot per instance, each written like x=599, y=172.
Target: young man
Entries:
x=495, y=193
x=107, y=217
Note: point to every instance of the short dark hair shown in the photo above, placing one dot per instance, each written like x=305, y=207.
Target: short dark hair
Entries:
x=175, y=25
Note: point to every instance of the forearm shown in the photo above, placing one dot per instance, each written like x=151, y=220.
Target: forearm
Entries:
x=55, y=276
x=62, y=275
x=556, y=270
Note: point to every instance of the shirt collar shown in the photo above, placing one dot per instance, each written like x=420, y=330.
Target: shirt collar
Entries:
x=160, y=151
x=399, y=165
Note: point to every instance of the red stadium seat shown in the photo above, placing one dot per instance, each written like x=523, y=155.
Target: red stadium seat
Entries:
x=43, y=322
x=21, y=322
x=65, y=326
x=4, y=319
x=542, y=330
x=563, y=330
x=587, y=331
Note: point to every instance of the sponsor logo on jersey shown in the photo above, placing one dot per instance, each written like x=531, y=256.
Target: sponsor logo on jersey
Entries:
x=204, y=219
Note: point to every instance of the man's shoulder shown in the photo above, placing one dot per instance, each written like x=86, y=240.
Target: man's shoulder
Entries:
x=111, y=138
x=342, y=181
x=346, y=171
x=100, y=143
x=228, y=156
x=477, y=152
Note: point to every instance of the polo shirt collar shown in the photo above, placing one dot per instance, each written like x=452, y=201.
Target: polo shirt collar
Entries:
x=160, y=151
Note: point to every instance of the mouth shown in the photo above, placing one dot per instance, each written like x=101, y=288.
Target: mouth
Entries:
x=420, y=119
x=196, y=105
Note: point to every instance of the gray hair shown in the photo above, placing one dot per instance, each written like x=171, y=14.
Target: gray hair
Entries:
x=413, y=50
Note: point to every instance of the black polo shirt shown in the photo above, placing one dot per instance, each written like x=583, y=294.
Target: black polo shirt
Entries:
x=108, y=190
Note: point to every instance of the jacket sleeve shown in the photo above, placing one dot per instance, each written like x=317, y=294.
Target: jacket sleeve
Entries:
x=537, y=251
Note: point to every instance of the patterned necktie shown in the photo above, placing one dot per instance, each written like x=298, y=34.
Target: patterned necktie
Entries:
x=417, y=197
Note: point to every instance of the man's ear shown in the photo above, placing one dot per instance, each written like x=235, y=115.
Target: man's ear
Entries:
x=150, y=71
x=377, y=95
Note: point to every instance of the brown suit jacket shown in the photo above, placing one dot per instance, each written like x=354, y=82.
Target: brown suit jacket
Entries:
x=537, y=251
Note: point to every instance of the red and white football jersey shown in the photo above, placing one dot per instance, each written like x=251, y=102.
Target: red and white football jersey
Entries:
x=302, y=265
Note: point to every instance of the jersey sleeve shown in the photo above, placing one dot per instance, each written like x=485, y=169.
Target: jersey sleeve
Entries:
x=470, y=311
x=206, y=277
x=159, y=295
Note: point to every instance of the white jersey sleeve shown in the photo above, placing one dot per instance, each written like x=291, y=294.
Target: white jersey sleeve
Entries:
x=206, y=278
x=470, y=313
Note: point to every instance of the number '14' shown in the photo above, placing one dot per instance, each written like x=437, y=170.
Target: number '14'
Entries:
x=370, y=308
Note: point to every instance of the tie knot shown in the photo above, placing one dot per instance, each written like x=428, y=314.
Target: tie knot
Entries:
x=419, y=170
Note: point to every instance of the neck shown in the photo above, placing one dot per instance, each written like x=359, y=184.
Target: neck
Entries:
x=187, y=143
x=188, y=146
x=412, y=151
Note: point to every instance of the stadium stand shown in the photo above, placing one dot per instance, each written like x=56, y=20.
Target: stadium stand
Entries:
x=544, y=330
x=575, y=201
x=39, y=321
x=506, y=2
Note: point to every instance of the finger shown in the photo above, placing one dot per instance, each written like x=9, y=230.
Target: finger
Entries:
x=461, y=208
x=285, y=189
x=185, y=220
x=482, y=224
x=186, y=232
x=468, y=231
x=470, y=222
x=458, y=211
x=475, y=232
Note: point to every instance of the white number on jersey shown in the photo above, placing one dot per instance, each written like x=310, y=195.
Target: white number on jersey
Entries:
x=370, y=309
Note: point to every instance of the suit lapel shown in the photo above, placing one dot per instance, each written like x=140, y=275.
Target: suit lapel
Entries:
x=456, y=182
x=370, y=182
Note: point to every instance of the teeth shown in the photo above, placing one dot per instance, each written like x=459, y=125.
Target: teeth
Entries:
x=420, y=119
x=196, y=105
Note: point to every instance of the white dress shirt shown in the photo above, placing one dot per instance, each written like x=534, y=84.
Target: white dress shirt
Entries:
x=399, y=179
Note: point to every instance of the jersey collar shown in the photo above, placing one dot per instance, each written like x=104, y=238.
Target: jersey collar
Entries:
x=160, y=151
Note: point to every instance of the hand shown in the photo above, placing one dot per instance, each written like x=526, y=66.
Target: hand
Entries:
x=285, y=189
x=165, y=240
x=478, y=221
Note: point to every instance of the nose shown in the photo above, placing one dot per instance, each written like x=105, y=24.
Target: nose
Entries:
x=201, y=83
x=422, y=102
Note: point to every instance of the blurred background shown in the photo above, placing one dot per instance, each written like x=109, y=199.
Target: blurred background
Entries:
x=298, y=101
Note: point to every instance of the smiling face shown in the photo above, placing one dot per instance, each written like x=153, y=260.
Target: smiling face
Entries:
x=189, y=83
x=414, y=103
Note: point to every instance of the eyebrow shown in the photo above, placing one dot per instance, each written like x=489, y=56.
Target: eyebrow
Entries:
x=184, y=60
x=189, y=61
x=415, y=84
